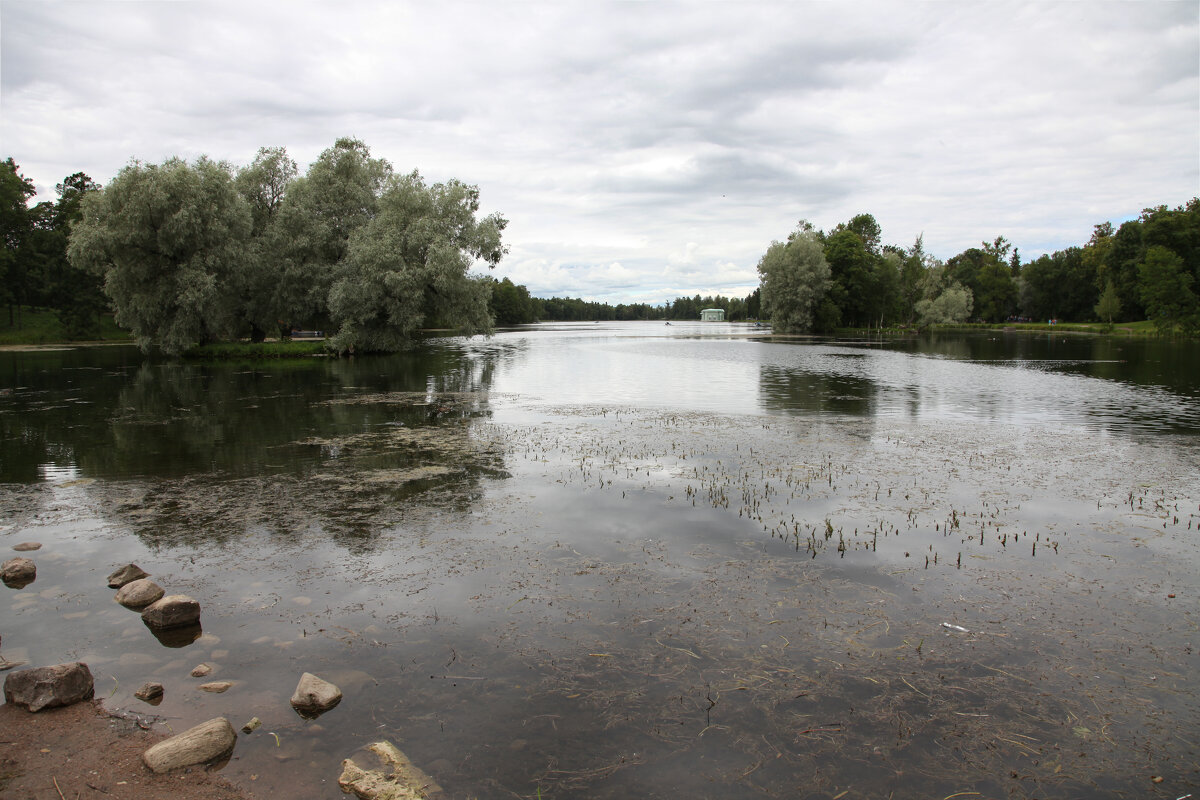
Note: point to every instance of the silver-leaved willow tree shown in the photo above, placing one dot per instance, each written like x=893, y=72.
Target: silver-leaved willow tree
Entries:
x=197, y=252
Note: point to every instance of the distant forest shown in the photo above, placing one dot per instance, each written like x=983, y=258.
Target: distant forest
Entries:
x=187, y=253
x=1146, y=269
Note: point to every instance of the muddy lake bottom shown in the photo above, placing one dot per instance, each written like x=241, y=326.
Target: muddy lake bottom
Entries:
x=539, y=596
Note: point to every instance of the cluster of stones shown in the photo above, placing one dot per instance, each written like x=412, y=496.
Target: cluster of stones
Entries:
x=391, y=775
x=160, y=611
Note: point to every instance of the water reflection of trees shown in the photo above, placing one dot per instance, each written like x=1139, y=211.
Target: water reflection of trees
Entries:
x=796, y=391
x=199, y=453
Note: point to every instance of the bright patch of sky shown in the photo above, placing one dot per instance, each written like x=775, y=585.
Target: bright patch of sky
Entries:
x=643, y=151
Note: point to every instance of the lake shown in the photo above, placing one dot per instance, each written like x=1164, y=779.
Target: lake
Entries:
x=637, y=559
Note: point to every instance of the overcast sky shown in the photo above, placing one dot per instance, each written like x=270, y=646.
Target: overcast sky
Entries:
x=643, y=151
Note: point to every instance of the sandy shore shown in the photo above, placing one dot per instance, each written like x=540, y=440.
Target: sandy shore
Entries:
x=82, y=751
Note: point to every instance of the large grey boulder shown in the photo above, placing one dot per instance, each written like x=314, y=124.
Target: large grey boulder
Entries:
x=139, y=593
x=49, y=687
x=381, y=772
x=125, y=574
x=17, y=573
x=314, y=696
x=208, y=741
x=172, y=611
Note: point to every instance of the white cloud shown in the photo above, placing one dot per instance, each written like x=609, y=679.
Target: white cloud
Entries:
x=646, y=150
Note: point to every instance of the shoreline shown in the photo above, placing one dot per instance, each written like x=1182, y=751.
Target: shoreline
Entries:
x=86, y=750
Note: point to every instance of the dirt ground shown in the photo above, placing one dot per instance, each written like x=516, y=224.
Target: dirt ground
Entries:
x=82, y=751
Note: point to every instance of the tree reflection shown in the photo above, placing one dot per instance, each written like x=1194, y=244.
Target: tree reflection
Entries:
x=201, y=453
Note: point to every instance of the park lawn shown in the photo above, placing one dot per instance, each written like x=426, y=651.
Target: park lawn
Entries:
x=29, y=325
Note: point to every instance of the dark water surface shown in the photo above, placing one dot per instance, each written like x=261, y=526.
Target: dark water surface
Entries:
x=637, y=560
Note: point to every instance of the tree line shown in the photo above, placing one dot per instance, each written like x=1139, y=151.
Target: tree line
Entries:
x=187, y=253
x=1147, y=269
x=513, y=305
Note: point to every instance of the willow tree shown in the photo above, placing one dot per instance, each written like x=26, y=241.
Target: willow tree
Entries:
x=794, y=276
x=410, y=265
x=309, y=234
x=168, y=240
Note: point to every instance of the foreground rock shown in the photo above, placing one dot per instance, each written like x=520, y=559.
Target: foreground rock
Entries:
x=151, y=693
x=17, y=573
x=139, y=593
x=49, y=687
x=172, y=611
x=126, y=574
x=314, y=696
x=208, y=741
x=381, y=772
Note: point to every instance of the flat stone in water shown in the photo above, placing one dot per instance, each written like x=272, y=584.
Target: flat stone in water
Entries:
x=25, y=547
x=139, y=593
x=123, y=575
x=172, y=611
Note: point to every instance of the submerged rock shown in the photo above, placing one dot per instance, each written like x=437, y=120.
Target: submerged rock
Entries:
x=151, y=693
x=25, y=547
x=314, y=696
x=17, y=573
x=380, y=771
x=172, y=611
x=208, y=741
x=216, y=687
x=201, y=670
x=126, y=574
x=49, y=687
x=139, y=593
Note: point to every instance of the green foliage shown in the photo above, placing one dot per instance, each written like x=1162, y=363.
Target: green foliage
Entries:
x=168, y=240
x=944, y=301
x=987, y=272
x=409, y=266
x=795, y=276
x=852, y=273
x=1059, y=286
x=1168, y=292
x=1109, y=304
x=16, y=229
x=310, y=232
x=511, y=304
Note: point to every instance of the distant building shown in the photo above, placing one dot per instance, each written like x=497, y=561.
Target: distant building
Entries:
x=712, y=315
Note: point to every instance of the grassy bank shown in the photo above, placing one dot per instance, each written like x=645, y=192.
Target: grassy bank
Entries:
x=42, y=326
x=1142, y=328
x=223, y=351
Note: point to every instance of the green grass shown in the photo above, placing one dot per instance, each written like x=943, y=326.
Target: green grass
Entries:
x=1141, y=328
x=42, y=326
x=254, y=350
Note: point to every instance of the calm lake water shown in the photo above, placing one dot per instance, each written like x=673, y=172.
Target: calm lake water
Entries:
x=639, y=560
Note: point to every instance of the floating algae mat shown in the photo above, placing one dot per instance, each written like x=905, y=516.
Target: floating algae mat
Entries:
x=617, y=586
